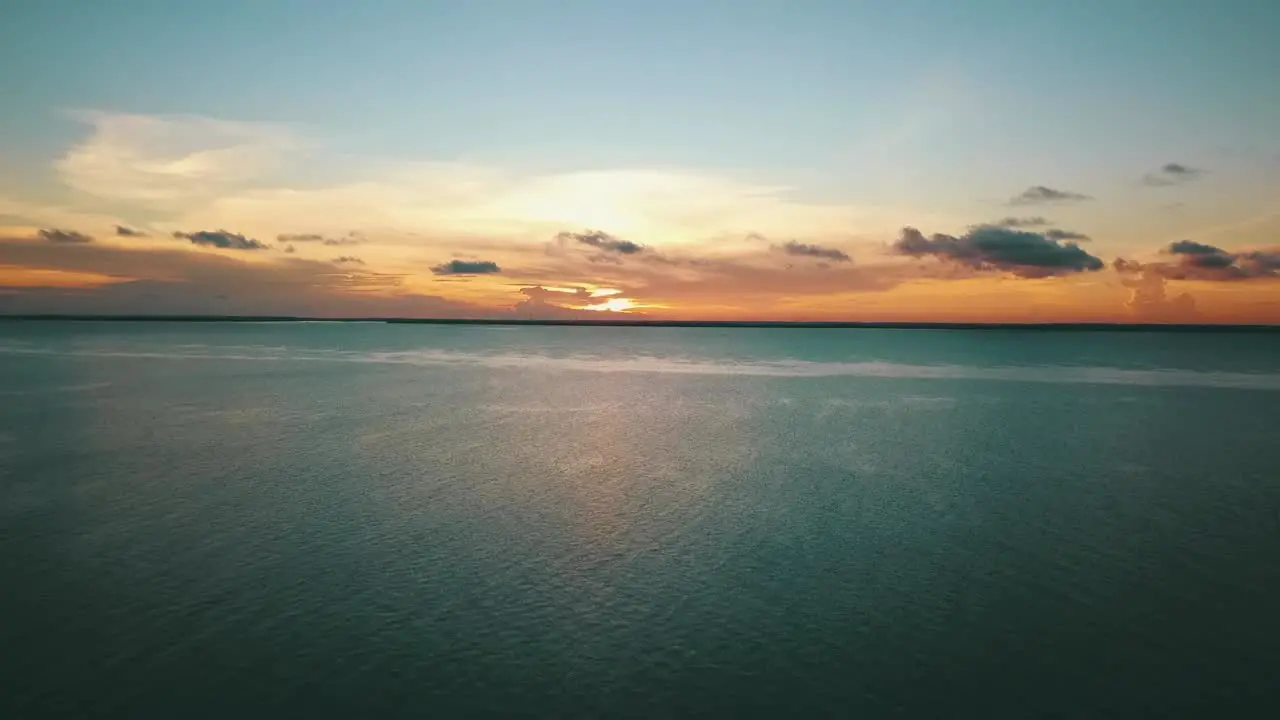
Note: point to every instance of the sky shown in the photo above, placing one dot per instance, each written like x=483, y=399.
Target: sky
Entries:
x=842, y=160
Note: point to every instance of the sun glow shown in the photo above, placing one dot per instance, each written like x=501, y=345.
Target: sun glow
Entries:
x=614, y=305
x=618, y=304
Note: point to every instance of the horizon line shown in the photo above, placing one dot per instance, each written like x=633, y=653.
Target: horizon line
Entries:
x=798, y=324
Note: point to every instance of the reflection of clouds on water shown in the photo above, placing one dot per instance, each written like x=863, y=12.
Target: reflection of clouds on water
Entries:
x=1099, y=375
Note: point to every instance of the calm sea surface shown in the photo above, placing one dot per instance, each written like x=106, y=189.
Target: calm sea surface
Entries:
x=367, y=520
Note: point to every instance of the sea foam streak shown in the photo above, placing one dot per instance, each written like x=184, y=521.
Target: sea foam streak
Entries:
x=701, y=366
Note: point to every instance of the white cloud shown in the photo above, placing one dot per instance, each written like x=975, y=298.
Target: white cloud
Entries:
x=211, y=173
x=165, y=159
x=452, y=202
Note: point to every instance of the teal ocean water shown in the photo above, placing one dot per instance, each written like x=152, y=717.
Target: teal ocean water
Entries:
x=369, y=520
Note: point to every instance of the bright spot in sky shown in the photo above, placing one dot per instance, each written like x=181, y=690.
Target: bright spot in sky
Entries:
x=614, y=305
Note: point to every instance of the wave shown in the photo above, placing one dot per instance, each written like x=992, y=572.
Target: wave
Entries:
x=791, y=368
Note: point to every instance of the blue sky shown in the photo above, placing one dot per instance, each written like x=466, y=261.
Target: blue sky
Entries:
x=922, y=108
x=785, y=86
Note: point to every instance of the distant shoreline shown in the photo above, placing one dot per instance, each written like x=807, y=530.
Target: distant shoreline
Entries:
x=1117, y=327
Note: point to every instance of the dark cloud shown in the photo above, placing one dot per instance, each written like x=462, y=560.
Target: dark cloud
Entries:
x=1190, y=247
x=351, y=238
x=290, y=249
x=65, y=237
x=799, y=249
x=124, y=231
x=602, y=240
x=221, y=239
x=1056, y=234
x=348, y=260
x=1171, y=174
x=465, y=267
x=1040, y=195
x=1020, y=222
x=1022, y=253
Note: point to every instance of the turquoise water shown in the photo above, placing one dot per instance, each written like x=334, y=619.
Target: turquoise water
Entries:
x=352, y=520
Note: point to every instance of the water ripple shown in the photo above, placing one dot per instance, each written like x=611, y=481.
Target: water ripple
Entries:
x=1060, y=374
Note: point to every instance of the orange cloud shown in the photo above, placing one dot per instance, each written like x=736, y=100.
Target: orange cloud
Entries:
x=16, y=276
x=980, y=279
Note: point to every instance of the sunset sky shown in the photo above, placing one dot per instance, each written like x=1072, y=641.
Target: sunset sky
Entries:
x=916, y=160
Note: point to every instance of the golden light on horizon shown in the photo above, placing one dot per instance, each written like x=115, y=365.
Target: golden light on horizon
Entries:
x=14, y=276
x=621, y=305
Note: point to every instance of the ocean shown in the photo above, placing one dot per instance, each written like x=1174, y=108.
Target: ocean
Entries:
x=372, y=520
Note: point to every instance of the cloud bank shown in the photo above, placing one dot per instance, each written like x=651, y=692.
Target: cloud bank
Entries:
x=1190, y=260
x=169, y=280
